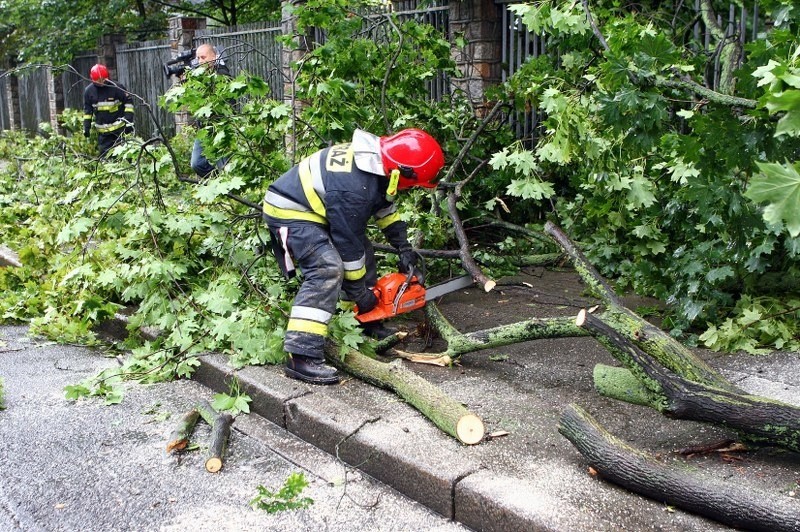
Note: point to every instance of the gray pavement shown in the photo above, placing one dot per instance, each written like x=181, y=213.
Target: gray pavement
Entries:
x=83, y=466
x=531, y=479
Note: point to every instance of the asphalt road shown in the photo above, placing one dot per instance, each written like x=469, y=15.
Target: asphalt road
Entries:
x=84, y=466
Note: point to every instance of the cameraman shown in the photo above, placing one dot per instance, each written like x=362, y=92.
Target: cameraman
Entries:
x=112, y=107
x=206, y=55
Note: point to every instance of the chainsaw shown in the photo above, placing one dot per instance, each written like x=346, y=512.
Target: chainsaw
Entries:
x=399, y=293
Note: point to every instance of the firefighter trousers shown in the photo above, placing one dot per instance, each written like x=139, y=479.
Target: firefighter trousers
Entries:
x=308, y=246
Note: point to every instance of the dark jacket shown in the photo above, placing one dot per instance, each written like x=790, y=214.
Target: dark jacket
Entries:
x=327, y=188
x=110, y=104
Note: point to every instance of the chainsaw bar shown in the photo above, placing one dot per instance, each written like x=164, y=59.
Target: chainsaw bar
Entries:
x=438, y=290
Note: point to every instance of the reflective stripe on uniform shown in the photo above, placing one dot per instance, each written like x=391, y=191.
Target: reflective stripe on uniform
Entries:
x=288, y=263
x=316, y=176
x=310, y=313
x=307, y=326
x=386, y=221
x=289, y=214
x=108, y=107
x=276, y=200
x=355, y=275
x=307, y=182
x=105, y=128
x=355, y=269
x=128, y=107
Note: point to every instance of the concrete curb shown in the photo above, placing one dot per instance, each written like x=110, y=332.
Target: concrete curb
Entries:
x=443, y=481
x=446, y=482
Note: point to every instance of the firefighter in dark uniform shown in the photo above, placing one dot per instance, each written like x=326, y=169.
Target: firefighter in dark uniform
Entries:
x=111, y=106
x=317, y=213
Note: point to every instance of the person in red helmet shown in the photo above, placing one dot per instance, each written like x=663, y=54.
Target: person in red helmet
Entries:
x=317, y=214
x=111, y=106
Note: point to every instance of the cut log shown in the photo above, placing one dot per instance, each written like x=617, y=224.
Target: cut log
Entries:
x=179, y=438
x=219, y=442
x=634, y=470
x=619, y=383
x=445, y=412
x=207, y=412
x=758, y=419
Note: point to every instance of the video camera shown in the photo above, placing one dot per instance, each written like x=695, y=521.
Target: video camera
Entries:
x=179, y=65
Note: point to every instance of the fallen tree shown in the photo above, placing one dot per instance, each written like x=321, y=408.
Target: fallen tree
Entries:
x=634, y=470
x=658, y=371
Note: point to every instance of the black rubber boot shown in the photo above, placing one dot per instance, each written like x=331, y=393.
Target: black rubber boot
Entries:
x=310, y=370
x=377, y=330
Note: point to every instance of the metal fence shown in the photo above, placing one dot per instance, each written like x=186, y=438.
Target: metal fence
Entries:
x=251, y=48
x=140, y=69
x=75, y=79
x=519, y=45
x=34, y=109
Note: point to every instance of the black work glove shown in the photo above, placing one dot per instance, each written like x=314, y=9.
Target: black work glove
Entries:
x=86, y=133
x=408, y=264
x=366, y=301
x=419, y=275
x=408, y=259
x=129, y=130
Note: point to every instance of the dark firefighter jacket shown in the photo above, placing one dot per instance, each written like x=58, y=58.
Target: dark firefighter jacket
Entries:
x=327, y=188
x=110, y=104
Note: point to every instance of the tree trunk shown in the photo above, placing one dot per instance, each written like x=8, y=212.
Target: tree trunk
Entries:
x=179, y=438
x=634, y=470
x=445, y=412
x=219, y=442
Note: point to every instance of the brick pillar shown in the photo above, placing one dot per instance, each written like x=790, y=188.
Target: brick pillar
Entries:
x=479, y=21
x=52, y=98
x=291, y=54
x=181, y=39
x=12, y=94
x=107, y=52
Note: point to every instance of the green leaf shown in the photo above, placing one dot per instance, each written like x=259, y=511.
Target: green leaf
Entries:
x=223, y=401
x=778, y=185
x=765, y=73
x=76, y=391
x=641, y=192
x=242, y=404
x=530, y=189
x=74, y=229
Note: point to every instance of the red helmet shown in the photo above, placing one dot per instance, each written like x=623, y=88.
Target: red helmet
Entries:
x=416, y=154
x=98, y=73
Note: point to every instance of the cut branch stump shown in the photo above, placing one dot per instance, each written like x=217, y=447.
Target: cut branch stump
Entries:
x=219, y=442
x=179, y=438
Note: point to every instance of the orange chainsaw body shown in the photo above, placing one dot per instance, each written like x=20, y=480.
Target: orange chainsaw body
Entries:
x=393, y=299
